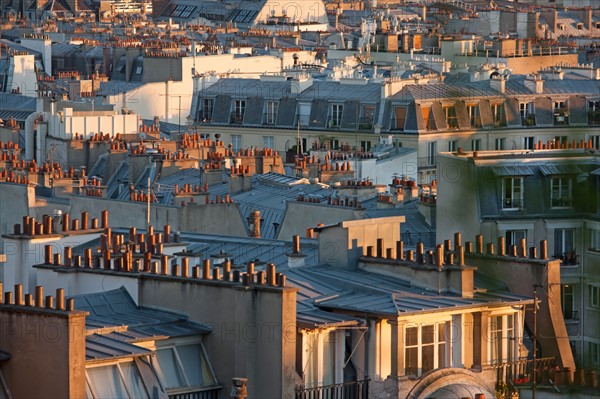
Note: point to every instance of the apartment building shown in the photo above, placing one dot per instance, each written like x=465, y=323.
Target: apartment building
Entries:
x=514, y=199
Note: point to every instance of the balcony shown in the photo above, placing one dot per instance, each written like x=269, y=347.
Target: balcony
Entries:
x=511, y=376
x=561, y=117
x=200, y=393
x=528, y=121
x=509, y=203
x=593, y=117
x=568, y=258
x=346, y=390
x=236, y=118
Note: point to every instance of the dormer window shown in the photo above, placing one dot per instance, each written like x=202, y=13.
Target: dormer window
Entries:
x=451, y=119
x=561, y=192
x=271, y=109
x=335, y=115
x=561, y=113
x=474, y=118
x=399, y=118
x=512, y=193
x=239, y=109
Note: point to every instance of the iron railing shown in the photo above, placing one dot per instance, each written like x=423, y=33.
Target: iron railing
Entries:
x=521, y=371
x=347, y=390
x=204, y=393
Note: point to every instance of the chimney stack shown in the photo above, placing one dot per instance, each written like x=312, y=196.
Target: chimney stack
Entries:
x=254, y=224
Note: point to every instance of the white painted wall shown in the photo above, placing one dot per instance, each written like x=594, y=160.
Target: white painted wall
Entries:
x=65, y=124
x=22, y=75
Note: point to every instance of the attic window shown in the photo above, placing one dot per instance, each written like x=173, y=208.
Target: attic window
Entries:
x=580, y=26
x=138, y=70
x=597, y=25
x=561, y=27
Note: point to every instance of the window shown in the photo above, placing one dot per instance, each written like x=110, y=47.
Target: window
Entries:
x=564, y=245
x=207, y=109
x=595, y=352
x=476, y=145
x=424, y=348
x=236, y=142
x=498, y=114
x=514, y=237
x=399, y=118
x=431, y=151
x=474, y=118
x=512, y=192
x=335, y=119
x=566, y=300
x=501, y=338
x=594, y=239
x=453, y=145
x=366, y=120
x=183, y=366
x=427, y=118
x=500, y=144
x=365, y=145
x=303, y=114
x=322, y=357
x=271, y=112
x=268, y=142
x=594, y=140
x=238, y=111
x=594, y=296
x=593, y=113
x=451, y=119
x=528, y=143
x=527, y=117
x=121, y=380
x=560, y=140
x=561, y=192
x=561, y=113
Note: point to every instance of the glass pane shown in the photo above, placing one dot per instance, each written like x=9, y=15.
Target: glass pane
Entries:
x=411, y=361
x=195, y=364
x=427, y=334
x=106, y=382
x=411, y=336
x=441, y=332
x=441, y=355
x=168, y=366
x=133, y=380
x=329, y=342
x=427, y=358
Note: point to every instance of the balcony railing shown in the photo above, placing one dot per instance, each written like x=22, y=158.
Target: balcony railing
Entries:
x=204, y=393
x=508, y=203
x=568, y=258
x=509, y=375
x=237, y=118
x=346, y=390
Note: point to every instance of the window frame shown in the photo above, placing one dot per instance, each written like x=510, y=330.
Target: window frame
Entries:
x=567, y=291
x=594, y=235
x=268, y=141
x=208, y=106
x=452, y=145
x=336, y=111
x=528, y=142
x=431, y=153
x=475, y=144
x=507, y=347
x=474, y=116
x=519, y=201
x=121, y=375
x=563, y=250
x=436, y=343
x=175, y=346
x=594, y=292
x=399, y=124
x=502, y=141
x=451, y=116
x=558, y=182
x=271, y=111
